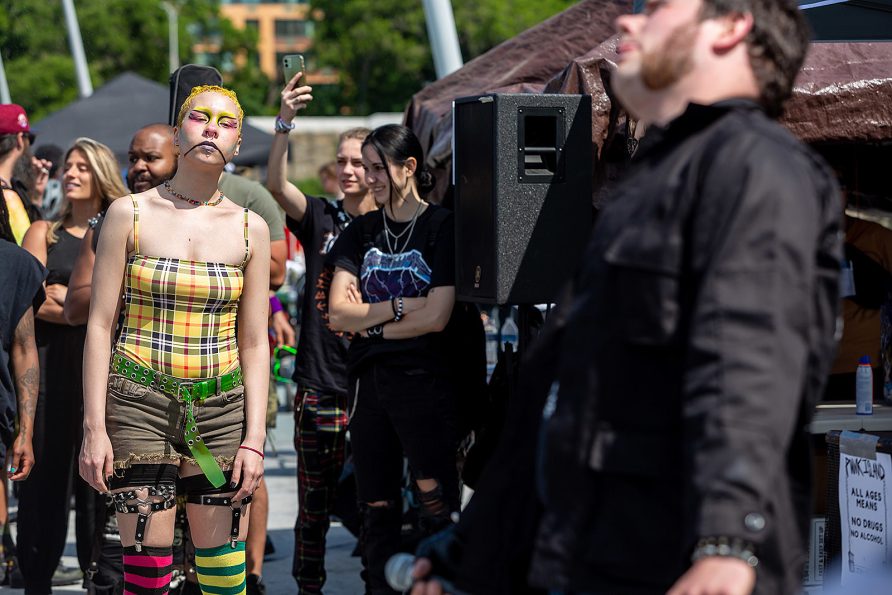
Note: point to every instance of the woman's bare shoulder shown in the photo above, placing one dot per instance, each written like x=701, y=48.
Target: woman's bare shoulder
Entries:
x=39, y=227
x=119, y=213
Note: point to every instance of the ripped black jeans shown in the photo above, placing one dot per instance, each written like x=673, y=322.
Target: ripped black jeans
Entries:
x=397, y=410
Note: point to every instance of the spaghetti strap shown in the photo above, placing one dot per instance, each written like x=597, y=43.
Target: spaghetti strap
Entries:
x=245, y=260
x=135, y=224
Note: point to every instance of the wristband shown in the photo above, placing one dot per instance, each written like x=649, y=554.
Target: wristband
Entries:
x=398, y=315
x=726, y=548
x=376, y=331
x=254, y=450
x=283, y=127
x=393, y=307
x=274, y=305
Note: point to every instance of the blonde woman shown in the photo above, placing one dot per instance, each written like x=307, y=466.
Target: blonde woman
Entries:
x=181, y=391
x=91, y=181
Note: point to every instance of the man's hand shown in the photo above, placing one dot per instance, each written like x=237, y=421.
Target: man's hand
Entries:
x=22, y=460
x=294, y=99
x=420, y=572
x=714, y=575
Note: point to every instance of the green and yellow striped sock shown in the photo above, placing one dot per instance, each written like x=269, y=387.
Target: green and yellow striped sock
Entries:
x=221, y=570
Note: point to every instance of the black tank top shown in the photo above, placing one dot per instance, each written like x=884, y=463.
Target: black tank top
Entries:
x=61, y=256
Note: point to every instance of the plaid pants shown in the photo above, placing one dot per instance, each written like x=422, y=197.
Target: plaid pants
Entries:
x=320, y=428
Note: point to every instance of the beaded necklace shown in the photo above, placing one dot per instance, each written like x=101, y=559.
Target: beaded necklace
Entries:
x=192, y=201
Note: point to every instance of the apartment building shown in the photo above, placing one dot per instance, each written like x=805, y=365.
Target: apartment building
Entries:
x=283, y=27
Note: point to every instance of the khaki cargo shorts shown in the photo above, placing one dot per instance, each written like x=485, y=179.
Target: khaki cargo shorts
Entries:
x=146, y=426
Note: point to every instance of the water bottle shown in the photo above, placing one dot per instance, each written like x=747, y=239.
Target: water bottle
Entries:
x=864, y=387
x=492, y=340
x=509, y=332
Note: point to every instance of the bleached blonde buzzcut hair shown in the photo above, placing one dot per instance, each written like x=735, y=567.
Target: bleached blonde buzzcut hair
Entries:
x=196, y=91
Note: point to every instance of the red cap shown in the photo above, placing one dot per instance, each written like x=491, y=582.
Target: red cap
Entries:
x=13, y=119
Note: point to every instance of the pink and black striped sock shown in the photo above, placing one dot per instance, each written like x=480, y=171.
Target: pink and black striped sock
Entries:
x=147, y=572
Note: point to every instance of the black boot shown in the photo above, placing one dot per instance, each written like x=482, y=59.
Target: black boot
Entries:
x=381, y=540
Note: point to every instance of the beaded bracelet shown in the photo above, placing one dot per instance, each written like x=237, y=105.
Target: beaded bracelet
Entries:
x=726, y=548
x=399, y=310
x=254, y=450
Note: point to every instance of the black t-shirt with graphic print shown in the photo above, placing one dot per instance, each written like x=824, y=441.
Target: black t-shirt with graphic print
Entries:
x=321, y=353
x=409, y=266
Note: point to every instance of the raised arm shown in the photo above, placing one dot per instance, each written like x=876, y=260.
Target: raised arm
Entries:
x=77, y=301
x=254, y=356
x=289, y=196
x=111, y=257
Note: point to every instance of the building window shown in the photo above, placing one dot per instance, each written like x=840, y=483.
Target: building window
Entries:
x=291, y=29
x=252, y=24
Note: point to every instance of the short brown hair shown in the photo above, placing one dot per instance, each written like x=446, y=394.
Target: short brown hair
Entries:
x=329, y=169
x=777, y=44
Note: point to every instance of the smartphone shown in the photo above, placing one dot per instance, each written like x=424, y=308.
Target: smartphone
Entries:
x=291, y=65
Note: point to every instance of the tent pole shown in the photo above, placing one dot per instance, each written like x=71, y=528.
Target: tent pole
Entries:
x=84, y=86
x=443, y=36
x=4, y=87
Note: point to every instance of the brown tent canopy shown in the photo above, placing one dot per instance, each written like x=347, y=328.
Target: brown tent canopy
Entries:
x=842, y=94
x=522, y=64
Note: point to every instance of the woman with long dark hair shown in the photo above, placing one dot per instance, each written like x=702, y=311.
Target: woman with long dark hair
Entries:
x=394, y=288
x=91, y=182
x=181, y=392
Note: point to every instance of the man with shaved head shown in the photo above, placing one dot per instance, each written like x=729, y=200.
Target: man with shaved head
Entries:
x=153, y=161
x=151, y=156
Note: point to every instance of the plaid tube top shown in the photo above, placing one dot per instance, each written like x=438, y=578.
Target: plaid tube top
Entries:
x=179, y=315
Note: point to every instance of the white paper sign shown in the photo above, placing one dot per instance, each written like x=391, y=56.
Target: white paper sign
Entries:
x=863, y=513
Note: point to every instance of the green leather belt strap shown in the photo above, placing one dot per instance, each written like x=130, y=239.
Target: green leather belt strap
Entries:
x=190, y=392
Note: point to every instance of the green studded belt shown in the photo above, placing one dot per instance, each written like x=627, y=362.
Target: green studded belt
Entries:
x=190, y=391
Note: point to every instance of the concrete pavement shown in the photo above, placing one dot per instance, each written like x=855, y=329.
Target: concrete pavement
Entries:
x=281, y=465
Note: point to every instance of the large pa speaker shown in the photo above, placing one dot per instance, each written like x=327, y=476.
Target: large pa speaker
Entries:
x=522, y=172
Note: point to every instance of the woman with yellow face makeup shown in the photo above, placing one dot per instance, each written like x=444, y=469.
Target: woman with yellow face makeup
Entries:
x=181, y=391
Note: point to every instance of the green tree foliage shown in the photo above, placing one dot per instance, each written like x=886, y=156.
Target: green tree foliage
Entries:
x=118, y=35
x=380, y=47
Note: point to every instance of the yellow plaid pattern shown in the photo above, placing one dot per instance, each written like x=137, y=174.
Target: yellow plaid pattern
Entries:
x=179, y=316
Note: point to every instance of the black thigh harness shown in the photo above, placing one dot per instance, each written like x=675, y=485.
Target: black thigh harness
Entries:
x=153, y=488
x=199, y=490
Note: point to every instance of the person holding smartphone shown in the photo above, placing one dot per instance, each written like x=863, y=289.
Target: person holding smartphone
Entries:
x=320, y=407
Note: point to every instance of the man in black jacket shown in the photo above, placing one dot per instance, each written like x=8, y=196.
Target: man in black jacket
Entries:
x=698, y=333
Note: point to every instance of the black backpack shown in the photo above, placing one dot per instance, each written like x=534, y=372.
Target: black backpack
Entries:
x=183, y=79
